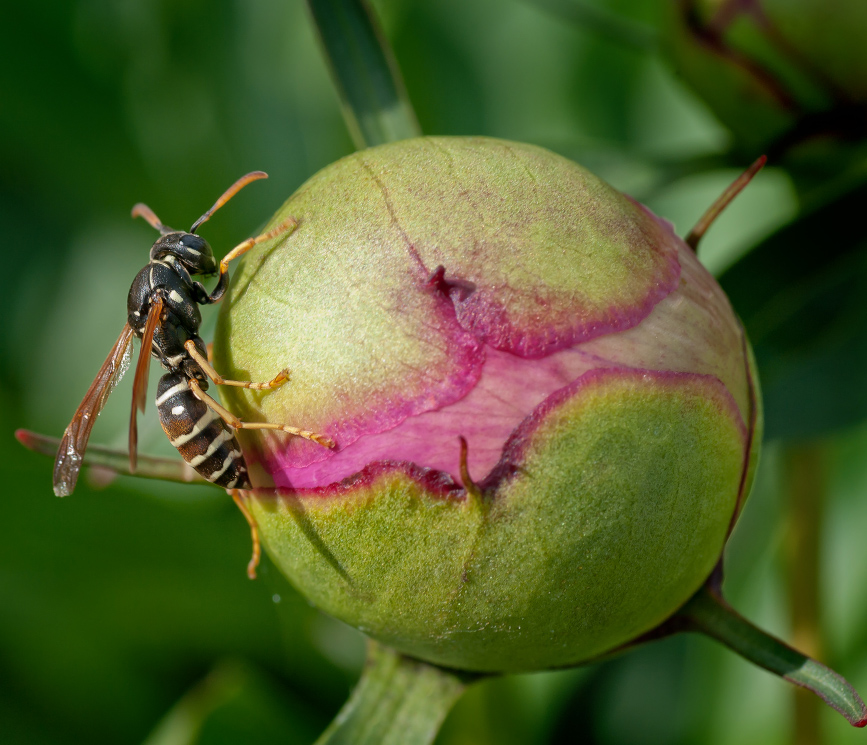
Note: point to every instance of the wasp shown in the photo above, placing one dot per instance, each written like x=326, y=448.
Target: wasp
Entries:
x=163, y=312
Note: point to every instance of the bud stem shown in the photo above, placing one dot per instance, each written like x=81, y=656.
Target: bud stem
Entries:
x=397, y=701
x=709, y=614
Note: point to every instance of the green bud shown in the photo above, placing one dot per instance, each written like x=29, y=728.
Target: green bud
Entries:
x=448, y=290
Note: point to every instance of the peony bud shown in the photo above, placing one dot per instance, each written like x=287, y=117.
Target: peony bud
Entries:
x=447, y=288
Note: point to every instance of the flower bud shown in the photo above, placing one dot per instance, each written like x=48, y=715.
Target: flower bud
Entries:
x=448, y=290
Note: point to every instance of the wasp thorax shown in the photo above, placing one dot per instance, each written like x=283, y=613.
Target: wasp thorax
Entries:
x=448, y=288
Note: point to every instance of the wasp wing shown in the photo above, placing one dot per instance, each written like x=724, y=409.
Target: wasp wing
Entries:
x=140, y=384
x=74, y=441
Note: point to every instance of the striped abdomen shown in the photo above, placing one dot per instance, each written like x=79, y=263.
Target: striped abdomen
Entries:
x=204, y=440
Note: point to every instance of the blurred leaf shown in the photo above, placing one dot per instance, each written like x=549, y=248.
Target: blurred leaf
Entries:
x=235, y=703
x=646, y=686
x=398, y=701
x=375, y=103
x=800, y=294
x=602, y=21
x=445, y=87
x=512, y=709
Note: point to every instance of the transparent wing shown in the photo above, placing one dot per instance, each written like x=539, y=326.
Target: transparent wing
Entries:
x=140, y=384
x=74, y=441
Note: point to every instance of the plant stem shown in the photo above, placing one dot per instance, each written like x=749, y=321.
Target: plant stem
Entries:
x=709, y=614
x=397, y=701
x=723, y=201
x=117, y=461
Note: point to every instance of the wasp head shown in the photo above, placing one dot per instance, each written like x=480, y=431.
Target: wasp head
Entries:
x=191, y=250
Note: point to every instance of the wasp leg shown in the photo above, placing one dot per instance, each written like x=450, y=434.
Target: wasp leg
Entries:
x=278, y=380
x=254, y=532
x=236, y=423
x=287, y=226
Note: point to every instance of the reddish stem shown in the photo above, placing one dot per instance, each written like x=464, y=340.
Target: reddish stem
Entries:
x=736, y=187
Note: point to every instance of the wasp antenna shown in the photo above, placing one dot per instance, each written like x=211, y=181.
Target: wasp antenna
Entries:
x=227, y=195
x=142, y=210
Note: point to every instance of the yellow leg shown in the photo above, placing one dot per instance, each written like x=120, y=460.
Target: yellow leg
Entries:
x=236, y=423
x=287, y=225
x=276, y=382
x=254, y=532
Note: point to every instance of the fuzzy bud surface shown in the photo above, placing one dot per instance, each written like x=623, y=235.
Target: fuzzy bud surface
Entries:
x=446, y=288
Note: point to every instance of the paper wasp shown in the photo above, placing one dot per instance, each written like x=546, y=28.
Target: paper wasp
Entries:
x=163, y=311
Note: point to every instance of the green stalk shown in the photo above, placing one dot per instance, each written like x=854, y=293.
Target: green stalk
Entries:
x=117, y=461
x=397, y=701
x=375, y=105
x=709, y=614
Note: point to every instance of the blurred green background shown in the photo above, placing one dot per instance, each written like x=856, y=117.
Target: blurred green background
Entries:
x=125, y=612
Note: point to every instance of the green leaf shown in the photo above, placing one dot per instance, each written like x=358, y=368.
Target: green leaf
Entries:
x=375, y=104
x=602, y=21
x=800, y=294
x=709, y=614
x=398, y=701
x=235, y=702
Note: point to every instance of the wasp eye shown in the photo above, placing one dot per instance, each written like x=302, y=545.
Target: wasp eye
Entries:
x=192, y=243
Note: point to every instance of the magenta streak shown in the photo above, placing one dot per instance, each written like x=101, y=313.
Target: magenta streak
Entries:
x=509, y=387
x=559, y=328
x=487, y=409
x=434, y=483
x=560, y=325
x=488, y=417
x=513, y=451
